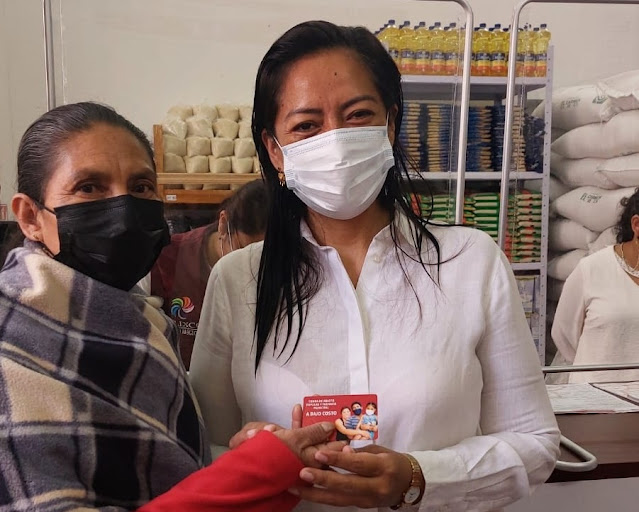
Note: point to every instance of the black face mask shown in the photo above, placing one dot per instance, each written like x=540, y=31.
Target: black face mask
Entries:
x=115, y=241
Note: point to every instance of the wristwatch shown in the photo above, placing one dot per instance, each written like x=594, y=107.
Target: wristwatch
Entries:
x=415, y=492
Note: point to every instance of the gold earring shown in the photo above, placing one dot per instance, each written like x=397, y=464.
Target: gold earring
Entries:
x=281, y=177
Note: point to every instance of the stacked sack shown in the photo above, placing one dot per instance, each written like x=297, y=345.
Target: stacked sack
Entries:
x=594, y=164
x=209, y=139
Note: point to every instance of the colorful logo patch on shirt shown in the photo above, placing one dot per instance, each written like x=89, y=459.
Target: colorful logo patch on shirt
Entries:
x=180, y=306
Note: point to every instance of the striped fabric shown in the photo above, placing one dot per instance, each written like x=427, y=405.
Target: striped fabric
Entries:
x=95, y=408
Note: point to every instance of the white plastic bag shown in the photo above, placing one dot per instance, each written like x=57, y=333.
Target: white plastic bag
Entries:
x=617, y=137
x=592, y=207
x=560, y=267
x=566, y=235
x=582, y=172
x=623, y=170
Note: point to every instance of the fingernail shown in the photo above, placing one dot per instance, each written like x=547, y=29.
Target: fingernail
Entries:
x=294, y=491
x=320, y=457
x=270, y=428
x=328, y=427
x=307, y=476
x=251, y=433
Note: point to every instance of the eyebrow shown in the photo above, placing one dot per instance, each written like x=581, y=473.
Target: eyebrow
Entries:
x=343, y=106
x=86, y=173
x=144, y=174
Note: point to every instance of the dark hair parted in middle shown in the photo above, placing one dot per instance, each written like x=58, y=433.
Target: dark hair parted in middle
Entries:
x=623, y=229
x=289, y=274
x=246, y=208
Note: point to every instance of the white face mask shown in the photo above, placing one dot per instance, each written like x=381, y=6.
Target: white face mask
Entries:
x=339, y=173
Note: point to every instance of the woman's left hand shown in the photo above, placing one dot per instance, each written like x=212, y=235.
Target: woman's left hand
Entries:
x=379, y=478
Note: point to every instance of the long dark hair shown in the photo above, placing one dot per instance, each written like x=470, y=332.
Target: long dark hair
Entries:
x=289, y=274
x=623, y=229
x=41, y=145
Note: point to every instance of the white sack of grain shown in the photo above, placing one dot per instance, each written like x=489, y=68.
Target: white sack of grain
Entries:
x=174, y=145
x=221, y=147
x=244, y=148
x=198, y=126
x=242, y=165
x=174, y=163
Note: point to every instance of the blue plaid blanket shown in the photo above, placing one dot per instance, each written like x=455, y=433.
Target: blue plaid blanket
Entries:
x=96, y=412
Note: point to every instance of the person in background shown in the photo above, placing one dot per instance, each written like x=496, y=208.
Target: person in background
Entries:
x=597, y=318
x=181, y=273
x=351, y=292
x=368, y=421
x=353, y=421
x=95, y=406
x=344, y=432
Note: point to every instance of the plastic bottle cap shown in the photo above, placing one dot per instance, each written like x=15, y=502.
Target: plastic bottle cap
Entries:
x=391, y=22
x=438, y=24
x=497, y=25
x=422, y=23
x=482, y=25
x=543, y=25
x=453, y=25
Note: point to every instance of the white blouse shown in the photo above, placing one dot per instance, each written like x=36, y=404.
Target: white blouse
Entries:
x=456, y=373
x=597, y=318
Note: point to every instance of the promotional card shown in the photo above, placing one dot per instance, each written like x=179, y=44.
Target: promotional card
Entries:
x=356, y=417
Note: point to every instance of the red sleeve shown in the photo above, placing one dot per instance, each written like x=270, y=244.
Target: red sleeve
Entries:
x=252, y=478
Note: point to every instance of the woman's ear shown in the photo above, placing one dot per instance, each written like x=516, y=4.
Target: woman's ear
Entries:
x=222, y=224
x=274, y=151
x=392, y=116
x=27, y=213
x=634, y=223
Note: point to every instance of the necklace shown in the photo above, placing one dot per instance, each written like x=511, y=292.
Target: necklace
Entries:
x=633, y=271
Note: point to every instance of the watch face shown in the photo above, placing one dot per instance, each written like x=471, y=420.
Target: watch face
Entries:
x=412, y=495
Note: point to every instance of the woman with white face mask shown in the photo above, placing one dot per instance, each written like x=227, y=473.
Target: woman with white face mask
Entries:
x=352, y=293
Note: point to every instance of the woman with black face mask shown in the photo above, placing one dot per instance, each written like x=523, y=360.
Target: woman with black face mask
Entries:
x=95, y=407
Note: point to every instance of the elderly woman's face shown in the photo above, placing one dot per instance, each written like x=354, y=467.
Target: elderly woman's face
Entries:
x=323, y=92
x=100, y=163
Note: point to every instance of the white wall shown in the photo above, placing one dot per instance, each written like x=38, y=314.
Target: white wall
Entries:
x=22, y=90
x=143, y=56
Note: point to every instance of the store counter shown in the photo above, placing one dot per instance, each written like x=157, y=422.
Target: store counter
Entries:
x=612, y=438
x=612, y=485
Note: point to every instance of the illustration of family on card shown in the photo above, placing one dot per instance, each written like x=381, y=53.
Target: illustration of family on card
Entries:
x=356, y=423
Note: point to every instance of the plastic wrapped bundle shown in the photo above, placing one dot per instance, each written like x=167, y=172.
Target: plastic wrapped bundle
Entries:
x=242, y=165
x=207, y=111
x=174, y=145
x=182, y=112
x=198, y=146
x=230, y=112
x=221, y=147
x=198, y=126
x=244, y=148
x=174, y=126
x=244, y=130
x=225, y=128
x=220, y=165
x=246, y=113
x=174, y=163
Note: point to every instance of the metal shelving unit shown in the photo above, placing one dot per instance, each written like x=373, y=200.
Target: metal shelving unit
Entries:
x=495, y=89
x=487, y=88
x=476, y=176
